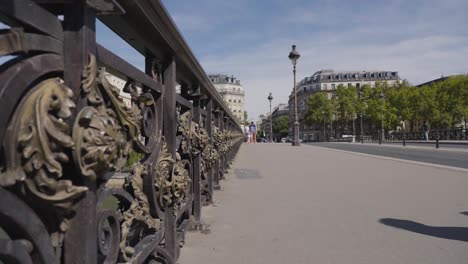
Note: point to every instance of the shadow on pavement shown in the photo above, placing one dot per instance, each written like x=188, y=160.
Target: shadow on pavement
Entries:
x=246, y=174
x=452, y=233
x=464, y=213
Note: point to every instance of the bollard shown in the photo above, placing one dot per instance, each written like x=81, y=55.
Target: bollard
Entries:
x=380, y=138
x=404, y=140
x=437, y=142
x=362, y=140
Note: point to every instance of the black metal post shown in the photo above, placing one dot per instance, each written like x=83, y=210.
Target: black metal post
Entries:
x=324, y=136
x=382, y=118
x=79, y=43
x=197, y=203
x=209, y=130
x=270, y=98
x=217, y=168
x=170, y=130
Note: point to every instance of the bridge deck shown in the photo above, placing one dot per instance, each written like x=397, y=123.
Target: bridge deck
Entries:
x=281, y=204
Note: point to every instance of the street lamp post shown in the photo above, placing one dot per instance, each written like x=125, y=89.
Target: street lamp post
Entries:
x=270, y=97
x=323, y=116
x=382, y=119
x=331, y=127
x=294, y=56
x=360, y=114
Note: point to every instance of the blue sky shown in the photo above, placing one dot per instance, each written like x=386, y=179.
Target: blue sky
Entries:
x=422, y=40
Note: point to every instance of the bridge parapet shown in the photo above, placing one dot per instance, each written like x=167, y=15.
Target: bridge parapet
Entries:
x=86, y=177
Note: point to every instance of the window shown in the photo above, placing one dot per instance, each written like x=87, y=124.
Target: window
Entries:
x=305, y=89
x=349, y=84
x=333, y=87
x=325, y=87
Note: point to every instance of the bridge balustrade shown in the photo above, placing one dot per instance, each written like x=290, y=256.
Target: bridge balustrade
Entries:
x=86, y=177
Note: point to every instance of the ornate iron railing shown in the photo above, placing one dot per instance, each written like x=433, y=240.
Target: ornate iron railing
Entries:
x=67, y=136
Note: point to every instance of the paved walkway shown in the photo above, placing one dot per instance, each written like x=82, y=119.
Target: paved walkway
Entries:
x=282, y=204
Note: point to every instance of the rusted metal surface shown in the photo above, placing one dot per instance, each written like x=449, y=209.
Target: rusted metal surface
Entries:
x=68, y=191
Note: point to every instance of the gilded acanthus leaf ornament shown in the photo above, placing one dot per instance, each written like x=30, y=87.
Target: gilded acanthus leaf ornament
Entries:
x=89, y=85
x=95, y=85
x=101, y=145
x=138, y=214
x=184, y=130
x=210, y=155
x=172, y=179
x=129, y=117
x=163, y=172
x=37, y=142
x=104, y=131
x=180, y=182
x=199, y=138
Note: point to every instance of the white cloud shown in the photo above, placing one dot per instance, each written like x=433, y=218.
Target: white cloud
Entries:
x=267, y=69
x=421, y=39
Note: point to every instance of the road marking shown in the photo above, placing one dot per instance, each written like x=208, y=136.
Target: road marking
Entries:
x=420, y=163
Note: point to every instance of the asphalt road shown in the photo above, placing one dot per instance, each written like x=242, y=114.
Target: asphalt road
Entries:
x=281, y=204
x=444, y=156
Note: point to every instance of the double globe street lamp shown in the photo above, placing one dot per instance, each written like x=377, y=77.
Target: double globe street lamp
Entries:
x=294, y=56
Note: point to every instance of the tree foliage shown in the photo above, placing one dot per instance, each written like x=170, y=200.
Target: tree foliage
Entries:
x=280, y=126
x=443, y=104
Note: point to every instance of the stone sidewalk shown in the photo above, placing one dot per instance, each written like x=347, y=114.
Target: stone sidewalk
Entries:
x=282, y=204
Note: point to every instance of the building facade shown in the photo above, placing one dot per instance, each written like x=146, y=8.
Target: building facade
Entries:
x=277, y=112
x=232, y=92
x=120, y=84
x=327, y=81
x=261, y=124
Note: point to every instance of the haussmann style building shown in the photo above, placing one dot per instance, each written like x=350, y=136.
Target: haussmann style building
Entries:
x=328, y=81
x=232, y=92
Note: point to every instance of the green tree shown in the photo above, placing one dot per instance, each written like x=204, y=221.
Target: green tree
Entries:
x=347, y=98
x=280, y=126
x=319, y=109
x=442, y=104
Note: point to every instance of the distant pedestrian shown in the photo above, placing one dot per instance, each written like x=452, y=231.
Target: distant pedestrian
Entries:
x=253, y=132
x=426, y=131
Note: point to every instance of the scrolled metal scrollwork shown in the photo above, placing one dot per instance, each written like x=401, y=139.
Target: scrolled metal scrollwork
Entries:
x=137, y=221
x=108, y=236
x=24, y=238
